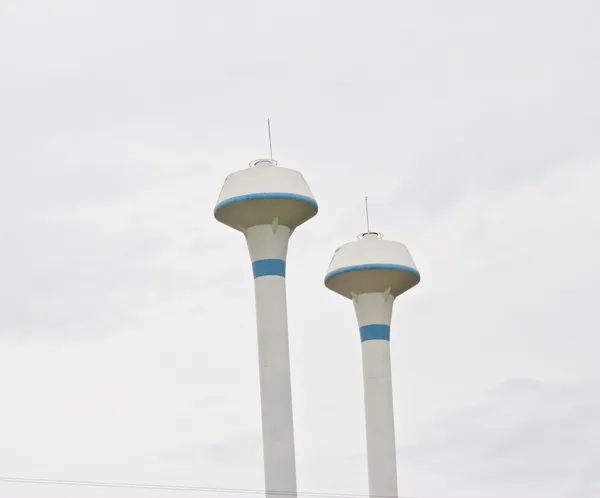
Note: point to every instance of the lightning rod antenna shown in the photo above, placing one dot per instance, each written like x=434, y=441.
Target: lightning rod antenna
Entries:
x=270, y=141
x=367, y=213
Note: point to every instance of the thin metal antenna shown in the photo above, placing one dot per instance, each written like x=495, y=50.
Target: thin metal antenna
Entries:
x=367, y=213
x=270, y=141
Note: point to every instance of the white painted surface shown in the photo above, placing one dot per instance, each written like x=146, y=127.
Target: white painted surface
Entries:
x=264, y=178
x=371, y=250
x=267, y=224
x=376, y=308
x=400, y=275
x=379, y=418
x=271, y=242
x=268, y=241
x=255, y=186
x=373, y=293
x=373, y=308
x=275, y=386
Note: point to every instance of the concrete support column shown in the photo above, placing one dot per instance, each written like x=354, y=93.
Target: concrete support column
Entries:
x=268, y=250
x=374, y=314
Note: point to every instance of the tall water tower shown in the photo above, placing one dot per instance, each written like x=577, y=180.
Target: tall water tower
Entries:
x=267, y=203
x=373, y=272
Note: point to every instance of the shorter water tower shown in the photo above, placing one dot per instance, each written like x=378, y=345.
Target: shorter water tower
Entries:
x=372, y=272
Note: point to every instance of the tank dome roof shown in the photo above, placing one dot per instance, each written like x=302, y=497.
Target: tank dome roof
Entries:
x=371, y=264
x=259, y=194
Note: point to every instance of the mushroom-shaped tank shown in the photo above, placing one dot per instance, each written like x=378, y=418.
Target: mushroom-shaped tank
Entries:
x=371, y=264
x=259, y=194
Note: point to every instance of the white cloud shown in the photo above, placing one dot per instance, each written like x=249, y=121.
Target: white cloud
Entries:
x=523, y=437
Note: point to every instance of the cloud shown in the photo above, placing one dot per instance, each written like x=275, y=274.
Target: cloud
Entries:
x=522, y=436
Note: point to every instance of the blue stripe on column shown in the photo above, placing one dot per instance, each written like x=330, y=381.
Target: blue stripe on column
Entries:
x=375, y=332
x=265, y=267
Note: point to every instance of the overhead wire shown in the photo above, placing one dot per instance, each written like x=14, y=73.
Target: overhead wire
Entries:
x=169, y=487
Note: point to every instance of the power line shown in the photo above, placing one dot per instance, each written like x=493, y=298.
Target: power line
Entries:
x=167, y=487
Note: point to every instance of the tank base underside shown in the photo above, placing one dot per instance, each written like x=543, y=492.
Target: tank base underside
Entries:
x=365, y=281
x=248, y=213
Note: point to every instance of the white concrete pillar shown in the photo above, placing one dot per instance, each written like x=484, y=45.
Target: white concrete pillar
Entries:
x=374, y=314
x=268, y=250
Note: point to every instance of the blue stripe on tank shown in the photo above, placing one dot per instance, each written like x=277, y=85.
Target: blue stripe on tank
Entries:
x=375, y=332
x=374, y=266
x=265, y=267
x=265, y=196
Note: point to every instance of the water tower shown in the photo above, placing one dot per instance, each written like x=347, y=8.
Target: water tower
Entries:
x=372, y=272
x=266, y=203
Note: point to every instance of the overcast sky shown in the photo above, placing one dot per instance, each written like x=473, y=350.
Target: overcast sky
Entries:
x=127, y=333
